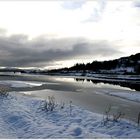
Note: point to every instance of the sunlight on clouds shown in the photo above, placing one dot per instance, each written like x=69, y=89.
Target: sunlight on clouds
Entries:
x=67, y=63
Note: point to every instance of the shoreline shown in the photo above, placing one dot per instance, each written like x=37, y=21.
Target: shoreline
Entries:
x=131, y=81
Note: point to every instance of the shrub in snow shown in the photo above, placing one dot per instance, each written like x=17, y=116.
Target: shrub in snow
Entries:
x=139, y=119
x=117, y=116
x=62, y=105
x=113, y=118
x=70, y=108
x=106, y=118
x=48, y=105
x=3, y=92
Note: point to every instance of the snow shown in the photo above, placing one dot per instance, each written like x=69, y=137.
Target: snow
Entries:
x=21, y=117
x=125, y=69
x=102, y=76
x=116, y=77
x=128, y=95
x=20, y=83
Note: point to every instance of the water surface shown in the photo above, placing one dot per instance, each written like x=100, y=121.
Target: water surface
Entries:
x=81, y=92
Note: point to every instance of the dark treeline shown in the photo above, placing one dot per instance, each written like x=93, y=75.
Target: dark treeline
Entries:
x=132, y=61
x=96, y=65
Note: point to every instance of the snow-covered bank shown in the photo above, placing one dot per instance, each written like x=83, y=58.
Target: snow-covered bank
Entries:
x=130, y=81
x=102, y=76
x=20, y=83
x=115, y=76
x=128, y=95
x=20, y=117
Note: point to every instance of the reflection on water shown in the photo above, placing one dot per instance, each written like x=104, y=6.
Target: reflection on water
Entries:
x=130, y=85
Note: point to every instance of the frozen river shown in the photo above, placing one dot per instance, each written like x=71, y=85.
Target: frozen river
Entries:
x=88, y=94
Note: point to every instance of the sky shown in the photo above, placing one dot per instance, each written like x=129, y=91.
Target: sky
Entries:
x=54, y=34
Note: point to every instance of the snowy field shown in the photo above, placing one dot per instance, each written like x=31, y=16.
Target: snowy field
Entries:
x=21, y=117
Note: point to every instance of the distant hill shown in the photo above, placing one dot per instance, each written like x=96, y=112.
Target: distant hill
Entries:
x=123, y=65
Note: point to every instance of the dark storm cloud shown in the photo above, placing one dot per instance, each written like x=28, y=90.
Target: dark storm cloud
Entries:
x=19, y=51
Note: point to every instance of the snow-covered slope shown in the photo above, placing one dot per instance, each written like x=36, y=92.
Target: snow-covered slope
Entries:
x=20, y=117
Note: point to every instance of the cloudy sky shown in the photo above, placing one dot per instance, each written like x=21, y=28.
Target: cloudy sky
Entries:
x=53, y=34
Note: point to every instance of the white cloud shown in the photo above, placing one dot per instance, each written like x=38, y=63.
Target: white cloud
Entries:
x=72, y=5
x=118, y=20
